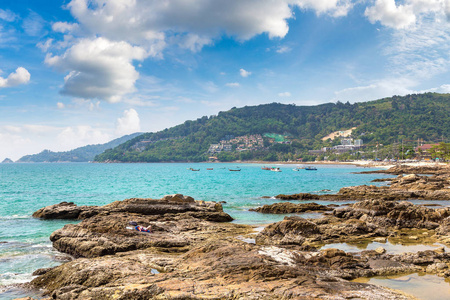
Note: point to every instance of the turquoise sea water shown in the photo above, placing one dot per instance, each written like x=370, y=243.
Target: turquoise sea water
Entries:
x=24, y=188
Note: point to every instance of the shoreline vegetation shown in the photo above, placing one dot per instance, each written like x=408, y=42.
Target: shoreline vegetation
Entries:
x=195, y=252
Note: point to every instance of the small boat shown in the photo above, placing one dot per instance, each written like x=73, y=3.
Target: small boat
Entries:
x=234, y=170
x=311, y=168
x=209, y=169
x=275, y=169
x=266, y=168
x=192, y=169
x=298, y=169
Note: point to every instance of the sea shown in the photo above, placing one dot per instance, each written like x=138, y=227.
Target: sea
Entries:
x=24, y=188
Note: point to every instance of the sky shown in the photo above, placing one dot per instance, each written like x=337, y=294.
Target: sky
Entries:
x=81, y=72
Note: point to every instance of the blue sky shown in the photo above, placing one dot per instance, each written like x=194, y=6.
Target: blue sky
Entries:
x=82, y=72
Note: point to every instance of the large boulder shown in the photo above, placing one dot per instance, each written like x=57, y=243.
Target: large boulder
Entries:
x=290, y=231
x=167, y=205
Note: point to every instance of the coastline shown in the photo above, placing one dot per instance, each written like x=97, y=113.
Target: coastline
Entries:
x=184, y=258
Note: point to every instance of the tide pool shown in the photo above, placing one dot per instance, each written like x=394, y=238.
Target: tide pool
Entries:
x=24, y=188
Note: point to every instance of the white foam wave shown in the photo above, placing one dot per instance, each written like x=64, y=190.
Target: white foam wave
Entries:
x=14, y=278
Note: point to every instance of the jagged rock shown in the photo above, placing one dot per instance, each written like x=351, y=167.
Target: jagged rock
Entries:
x=169, y=204
x=63, y=210
x=411, y=186
x=299, y=196
x=394, y=214
x=288, y=207
x=215, y=270
x=292, y=230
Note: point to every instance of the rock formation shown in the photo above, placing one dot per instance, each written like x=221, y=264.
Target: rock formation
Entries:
x=193, y=252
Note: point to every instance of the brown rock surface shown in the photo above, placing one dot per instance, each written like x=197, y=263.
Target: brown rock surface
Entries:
x=169, y=204
x=198, y=258
x=288, y=207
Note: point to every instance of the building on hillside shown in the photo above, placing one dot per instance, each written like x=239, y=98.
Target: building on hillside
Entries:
x=217, y=148
x=423, y=151
x=347, y=142
x=358, y=143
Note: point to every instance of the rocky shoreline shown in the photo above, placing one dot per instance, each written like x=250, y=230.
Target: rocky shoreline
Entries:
x=194, y=252
x=408, y=185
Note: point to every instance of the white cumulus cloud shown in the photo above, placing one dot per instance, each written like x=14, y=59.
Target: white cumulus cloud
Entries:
x=233, y=84
x=98, y=68
x=409, y=13
x=128, y=30
x=20, y=76
x=389, y=14
x=244, y=73
x=128, y=123
x=150, y=21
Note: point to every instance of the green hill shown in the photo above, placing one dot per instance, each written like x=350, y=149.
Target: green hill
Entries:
x=385, y=121
x=81, y=154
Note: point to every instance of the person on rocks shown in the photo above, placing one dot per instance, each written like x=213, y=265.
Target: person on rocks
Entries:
x=144, y=229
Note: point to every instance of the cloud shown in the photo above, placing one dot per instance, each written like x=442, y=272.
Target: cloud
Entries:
x=194, y=42
x=65, y=27
x=128, y=123
x=285, y=94
x=34, y=24
x=391, y=15
x=60, y=105
x=233, y=84
x=45, y=46
x=335, y=8
x=377, y=90
x=142, y=22
x=283, y=49
x=108, y=35
x=140, y=101
x=77, y=136
x=7, y=15
x=98, y=68
x=421, y=52
x=20, y=76
x=410, y=13
x=244, y=73
x=209, y=86
x=32, y=138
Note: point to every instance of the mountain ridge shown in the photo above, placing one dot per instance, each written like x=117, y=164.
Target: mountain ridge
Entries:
x=384, y=121
x=81, y=154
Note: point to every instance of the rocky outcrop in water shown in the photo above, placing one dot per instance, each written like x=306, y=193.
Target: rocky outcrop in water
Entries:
x=169, y=204
x=193, y=253
x=288, y=208
x=432, y=169
x=406, y=187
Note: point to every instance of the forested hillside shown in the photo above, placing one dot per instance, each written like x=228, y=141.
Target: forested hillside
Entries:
x=385, y=121
x=81, y=154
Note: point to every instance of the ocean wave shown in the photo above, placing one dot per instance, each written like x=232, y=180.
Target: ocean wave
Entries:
x=15, y=217
x=9, y=278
